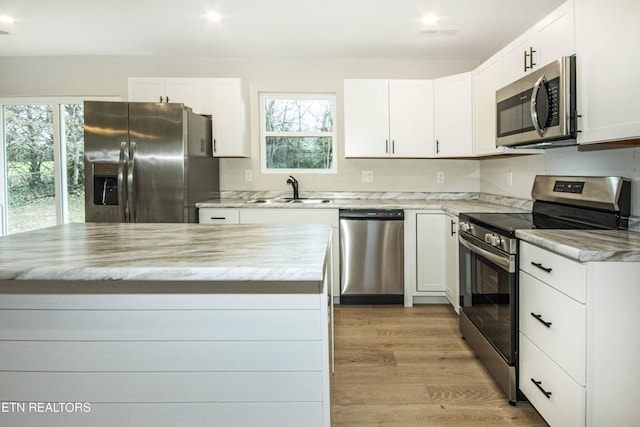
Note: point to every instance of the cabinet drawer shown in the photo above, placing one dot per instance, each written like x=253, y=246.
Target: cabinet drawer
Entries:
x=218, y=216
x=567, y=276
x=565, y=405
x=560, y=328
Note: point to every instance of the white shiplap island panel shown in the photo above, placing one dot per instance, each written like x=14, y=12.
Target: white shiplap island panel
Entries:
x=151, y=324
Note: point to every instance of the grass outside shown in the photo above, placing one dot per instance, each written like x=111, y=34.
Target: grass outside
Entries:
x=41, y=213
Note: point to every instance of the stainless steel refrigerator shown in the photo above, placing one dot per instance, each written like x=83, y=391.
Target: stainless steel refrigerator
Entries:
x=147, y=162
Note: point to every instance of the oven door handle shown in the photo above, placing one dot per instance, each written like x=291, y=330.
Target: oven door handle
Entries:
x=507, y=263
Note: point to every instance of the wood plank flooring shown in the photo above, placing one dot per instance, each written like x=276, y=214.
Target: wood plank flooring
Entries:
x=397, y=366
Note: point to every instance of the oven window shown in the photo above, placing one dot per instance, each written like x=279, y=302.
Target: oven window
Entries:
x=488, y=301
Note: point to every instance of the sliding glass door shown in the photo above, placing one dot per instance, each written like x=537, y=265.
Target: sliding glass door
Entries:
x=41, y=163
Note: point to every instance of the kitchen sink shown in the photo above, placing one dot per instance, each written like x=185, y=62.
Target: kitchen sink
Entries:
x=281, y=201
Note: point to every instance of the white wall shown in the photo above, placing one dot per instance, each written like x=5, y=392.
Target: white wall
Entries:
x=49, y=76
x=561, y=161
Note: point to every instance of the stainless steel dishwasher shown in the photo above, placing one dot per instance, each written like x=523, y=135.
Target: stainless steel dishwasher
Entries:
x=371, y=256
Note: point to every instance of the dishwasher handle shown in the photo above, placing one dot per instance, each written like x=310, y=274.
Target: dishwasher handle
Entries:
x=372, y=214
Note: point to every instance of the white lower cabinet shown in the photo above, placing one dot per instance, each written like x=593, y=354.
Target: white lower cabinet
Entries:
x=579, y=344
x=565, y=403
x=431, y=258
x=218, y=216
x=452, y=279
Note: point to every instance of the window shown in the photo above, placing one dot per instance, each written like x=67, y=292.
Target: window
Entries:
x=298, y=132
x=41, y=163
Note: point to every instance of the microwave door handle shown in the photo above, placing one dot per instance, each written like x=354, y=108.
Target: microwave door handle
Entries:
x=122, y=189
x=534, y=104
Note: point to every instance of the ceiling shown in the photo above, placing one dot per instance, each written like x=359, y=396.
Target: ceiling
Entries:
x=389, y=29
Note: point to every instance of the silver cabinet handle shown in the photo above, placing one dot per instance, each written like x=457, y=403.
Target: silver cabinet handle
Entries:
x=131, y=182
x=386, y=145
x=122, y=190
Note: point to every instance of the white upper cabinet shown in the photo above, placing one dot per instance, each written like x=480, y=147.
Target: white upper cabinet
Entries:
x=411, y=118
x=366, y=118
x=548, y=40
x=188, y=91
x=607, y=81
x=487, y=79
x=388, y=118
x=226, y=106
x=453, y=115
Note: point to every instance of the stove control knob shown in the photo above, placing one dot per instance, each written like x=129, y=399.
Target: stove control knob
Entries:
x=492, y=239
x=465, y=226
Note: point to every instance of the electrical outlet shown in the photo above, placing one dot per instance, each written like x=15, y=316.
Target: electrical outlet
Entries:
x=440, y=177
x=510, y=179
x=367, y=176
x=248, y=175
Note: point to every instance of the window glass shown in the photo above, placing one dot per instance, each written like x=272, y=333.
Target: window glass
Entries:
x=73, y=137
x=298, y=132
x=30, y=171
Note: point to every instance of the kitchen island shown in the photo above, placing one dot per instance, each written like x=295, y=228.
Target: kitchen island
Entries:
x=165, y=324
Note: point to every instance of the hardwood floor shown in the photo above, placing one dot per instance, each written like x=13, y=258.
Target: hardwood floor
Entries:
x=397, y=366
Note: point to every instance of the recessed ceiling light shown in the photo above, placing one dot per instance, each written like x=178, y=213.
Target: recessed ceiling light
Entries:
x=430, y=19
x=213, y=17
x=6, y=19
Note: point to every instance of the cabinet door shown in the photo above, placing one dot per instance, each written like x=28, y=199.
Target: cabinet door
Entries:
x=453, y=115
x=487, y=78
x=430, y=253
x=608, y=88
x=227, y=110
x=555, y=35
x=187, y=91
x=452, y=287
x=146, y=89
x=366, y=118
x=549, y=39
x=411, y=118
x=514, y=60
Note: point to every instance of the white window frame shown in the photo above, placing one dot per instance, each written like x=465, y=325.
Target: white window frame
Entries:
x=263, y=133
x=59, y=151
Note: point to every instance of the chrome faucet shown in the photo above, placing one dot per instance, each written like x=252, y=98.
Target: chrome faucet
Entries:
x=294, y=184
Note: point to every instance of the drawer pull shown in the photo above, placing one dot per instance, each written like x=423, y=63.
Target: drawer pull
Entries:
x=541, y=267
x=537, y=383
x=218, y=217
x=539, y=319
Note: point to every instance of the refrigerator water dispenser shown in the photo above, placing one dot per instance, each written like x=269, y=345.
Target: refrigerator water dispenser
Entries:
x=105, y=184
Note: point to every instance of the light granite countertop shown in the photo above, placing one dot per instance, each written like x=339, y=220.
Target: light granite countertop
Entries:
x=587, y=245
x=166, y=252
x=451, y=206
x=579, y=245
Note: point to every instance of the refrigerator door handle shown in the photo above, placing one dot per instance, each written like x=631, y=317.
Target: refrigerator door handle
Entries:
x=130, y=182
x=122, y=189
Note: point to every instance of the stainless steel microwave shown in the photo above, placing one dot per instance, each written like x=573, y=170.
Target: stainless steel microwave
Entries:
x=539, y=110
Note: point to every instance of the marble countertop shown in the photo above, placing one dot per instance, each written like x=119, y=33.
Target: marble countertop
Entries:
x=451, y=206
x=587, y=245
x=166, y=252
x=579, y=245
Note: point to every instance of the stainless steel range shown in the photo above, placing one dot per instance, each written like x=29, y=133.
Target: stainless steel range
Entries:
x=489, y=260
